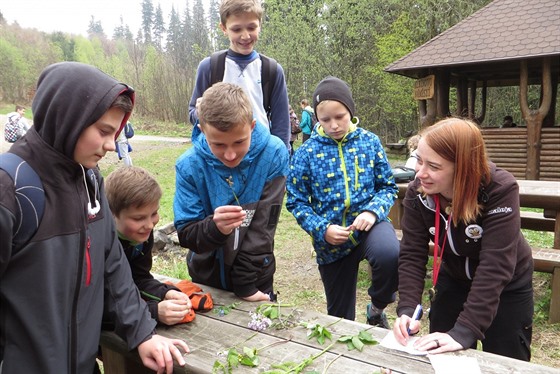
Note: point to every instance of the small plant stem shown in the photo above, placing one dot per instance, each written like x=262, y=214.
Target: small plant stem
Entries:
x=330, y=363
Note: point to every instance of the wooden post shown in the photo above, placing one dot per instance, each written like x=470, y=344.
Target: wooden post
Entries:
x=554, y=313
x=442, y=94
x=534, y=118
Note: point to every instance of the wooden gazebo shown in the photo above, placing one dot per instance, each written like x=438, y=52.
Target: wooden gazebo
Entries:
x=506, y=43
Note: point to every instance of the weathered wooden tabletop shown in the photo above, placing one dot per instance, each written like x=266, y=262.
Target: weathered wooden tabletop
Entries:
x=209, y=334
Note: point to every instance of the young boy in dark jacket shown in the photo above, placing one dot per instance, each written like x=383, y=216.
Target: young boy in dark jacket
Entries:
x=133, y=196
x=56, y=288
x=228, y=197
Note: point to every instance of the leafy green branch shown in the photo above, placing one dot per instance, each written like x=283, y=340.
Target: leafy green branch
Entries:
x=275, y=312
x=358, y=341
x=316, y=330
x=249, y=357
x=296, y=367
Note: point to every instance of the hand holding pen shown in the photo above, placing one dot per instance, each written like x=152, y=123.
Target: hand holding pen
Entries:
x=416, y=316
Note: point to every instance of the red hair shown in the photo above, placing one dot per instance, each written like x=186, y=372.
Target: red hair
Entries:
x=460, y=141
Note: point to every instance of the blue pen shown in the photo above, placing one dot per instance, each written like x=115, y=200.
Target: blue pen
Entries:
x=416, y=316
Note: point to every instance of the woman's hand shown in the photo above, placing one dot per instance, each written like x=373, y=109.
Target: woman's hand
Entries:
x=402, y=326
x=437, y=342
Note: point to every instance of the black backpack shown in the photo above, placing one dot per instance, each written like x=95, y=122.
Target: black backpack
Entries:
x=268, y=74
x=30, y=197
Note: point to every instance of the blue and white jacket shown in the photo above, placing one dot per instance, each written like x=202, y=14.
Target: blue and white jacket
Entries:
x=240, y=261
x=245, y=71
x=332, y=182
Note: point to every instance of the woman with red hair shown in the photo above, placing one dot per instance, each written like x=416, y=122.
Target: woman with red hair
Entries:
x=482, y=272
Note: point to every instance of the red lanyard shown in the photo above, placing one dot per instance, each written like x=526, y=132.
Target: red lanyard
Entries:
x=438, y=255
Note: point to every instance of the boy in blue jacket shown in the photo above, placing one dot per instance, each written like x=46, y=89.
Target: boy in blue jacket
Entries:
x=340, y=191
x=229, y=192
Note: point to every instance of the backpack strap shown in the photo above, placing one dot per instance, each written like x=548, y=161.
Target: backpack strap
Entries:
x=268, y=74
x=268, y=78
x=217, y=66
x=30, y=197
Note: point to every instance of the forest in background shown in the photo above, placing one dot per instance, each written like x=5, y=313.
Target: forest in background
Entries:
x=352, y=39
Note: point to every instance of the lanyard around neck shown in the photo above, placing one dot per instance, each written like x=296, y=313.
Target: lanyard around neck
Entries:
x=438, y=255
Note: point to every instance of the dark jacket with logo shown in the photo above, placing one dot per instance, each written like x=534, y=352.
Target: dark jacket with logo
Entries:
x=490, y=253
x=55, y=289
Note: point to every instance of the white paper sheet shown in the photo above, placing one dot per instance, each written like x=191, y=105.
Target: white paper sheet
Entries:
x=389, y=341
x=452, y=364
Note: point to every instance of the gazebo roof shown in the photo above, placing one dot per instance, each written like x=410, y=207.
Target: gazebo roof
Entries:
x=487, y=44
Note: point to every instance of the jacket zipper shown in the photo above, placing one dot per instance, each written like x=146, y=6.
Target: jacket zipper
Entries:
x=88, y=262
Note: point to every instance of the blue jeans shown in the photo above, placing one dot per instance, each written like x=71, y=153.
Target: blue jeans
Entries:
x=380, y=248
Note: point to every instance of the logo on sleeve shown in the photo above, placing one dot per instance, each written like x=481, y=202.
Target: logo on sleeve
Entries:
x=474, y=231
x=497, y=210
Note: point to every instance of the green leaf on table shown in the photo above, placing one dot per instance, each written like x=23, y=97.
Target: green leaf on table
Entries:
x=357, y=341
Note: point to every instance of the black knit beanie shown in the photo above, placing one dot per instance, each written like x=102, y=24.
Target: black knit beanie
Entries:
x=332, y=88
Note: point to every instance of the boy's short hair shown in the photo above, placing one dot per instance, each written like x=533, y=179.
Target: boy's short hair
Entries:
x=304, y=102
x=236, y=7
x=225, y=105
x=19, y=107
x=131, y=186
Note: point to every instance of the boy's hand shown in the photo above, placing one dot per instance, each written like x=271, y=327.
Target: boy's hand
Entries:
x=364, y=221
x=258, y=296
x=158, y=353
x=173, y=308
x=228, y=217
x=337, y=235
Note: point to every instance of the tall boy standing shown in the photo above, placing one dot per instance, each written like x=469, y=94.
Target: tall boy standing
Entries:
x=133, y=196
x=229, y=192
x=240, y=21
x=56, y=288
x=340, y=191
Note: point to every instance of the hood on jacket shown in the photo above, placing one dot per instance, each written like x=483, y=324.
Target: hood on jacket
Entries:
x=70, y=97
x=259, y=139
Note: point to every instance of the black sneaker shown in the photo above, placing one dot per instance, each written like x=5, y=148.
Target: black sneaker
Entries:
x=376, y=319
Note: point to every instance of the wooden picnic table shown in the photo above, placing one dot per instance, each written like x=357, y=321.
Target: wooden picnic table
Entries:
x=211, y=333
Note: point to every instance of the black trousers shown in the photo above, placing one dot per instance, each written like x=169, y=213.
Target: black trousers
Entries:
x=511, y=331
x=381, y=249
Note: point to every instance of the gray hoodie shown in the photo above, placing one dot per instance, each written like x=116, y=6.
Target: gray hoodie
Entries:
x=56, y=288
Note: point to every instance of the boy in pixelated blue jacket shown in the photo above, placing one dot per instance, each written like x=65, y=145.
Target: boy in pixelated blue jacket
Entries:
x=340, y=190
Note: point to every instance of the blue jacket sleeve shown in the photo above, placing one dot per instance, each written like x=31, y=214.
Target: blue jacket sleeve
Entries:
x=201, y=84
x=280, y=115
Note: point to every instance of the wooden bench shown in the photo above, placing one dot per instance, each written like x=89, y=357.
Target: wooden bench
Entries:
x=546, y=260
